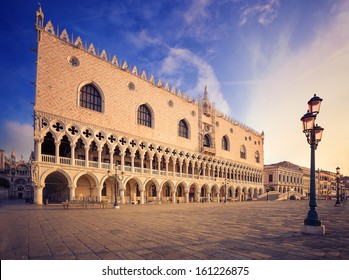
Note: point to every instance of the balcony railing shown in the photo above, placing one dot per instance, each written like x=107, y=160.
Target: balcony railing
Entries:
x=48, y=158
x=80, y=162
x=93, y=164
x=64, y=160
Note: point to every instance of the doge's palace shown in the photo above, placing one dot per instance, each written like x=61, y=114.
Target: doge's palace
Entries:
x=96, y=117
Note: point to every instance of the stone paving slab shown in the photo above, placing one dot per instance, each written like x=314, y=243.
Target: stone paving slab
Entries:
x=260, y=230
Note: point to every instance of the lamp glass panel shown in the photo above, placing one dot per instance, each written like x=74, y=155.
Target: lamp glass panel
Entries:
x=318, y=133
x=308, y=122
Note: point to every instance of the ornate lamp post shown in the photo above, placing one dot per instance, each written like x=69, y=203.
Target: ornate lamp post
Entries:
x=338, y=176
x=312, y=224
x=268, y=193
x=116, y=178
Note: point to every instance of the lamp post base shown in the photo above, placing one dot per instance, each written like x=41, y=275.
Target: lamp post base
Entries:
x=315, y=230
x=338, y=204
x=116, y=206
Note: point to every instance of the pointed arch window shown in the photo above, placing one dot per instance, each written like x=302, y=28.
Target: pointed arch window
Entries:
x=90, y=98
x=256, y=155
x=183, y=130
x=207, y=141
x=225, y=143
x=243, y=152
x=144, y=116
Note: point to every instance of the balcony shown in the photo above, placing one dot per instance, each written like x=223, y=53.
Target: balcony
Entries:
x=209, y=150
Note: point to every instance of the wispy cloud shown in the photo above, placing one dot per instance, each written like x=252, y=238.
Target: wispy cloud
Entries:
x=179, y=59
x=142, y=39
x=197, y=11
x=265, y=13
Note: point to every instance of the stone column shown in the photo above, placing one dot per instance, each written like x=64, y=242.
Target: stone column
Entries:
x=122, y=196
x=38, y=195
x=142, y=163
x=208, y=197
x=174, y=196
x=99, y=193
x=87, y=149
x=142, y=196
x=57, y=143
x=159, y=164
x=158, y=193
x=72, y=192
x=111, y=160
x=187, y=169
x=132, y=162
x=38, y=143
x=180, y=167
x=72, y=153
x=186, y=194
x=197, y=196
x=167, y=160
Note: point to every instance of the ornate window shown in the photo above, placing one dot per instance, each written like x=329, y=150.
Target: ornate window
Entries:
x=225, y=143
x=207, y=141
x=256, y=155
x=144, y=116
x=243, y=152
x=183, y=130
x=90, y=98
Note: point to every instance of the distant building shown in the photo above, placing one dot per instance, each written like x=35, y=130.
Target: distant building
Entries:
x=345, y=187
x=94, y=115
x=285, y=178
x=15, y=177
x=325, y=183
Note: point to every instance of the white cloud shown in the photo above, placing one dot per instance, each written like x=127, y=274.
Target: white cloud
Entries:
x=197, y=11
x=142, y=39
x=18, y=136
x=265, y=13
x=291, y=79
x=179, y=59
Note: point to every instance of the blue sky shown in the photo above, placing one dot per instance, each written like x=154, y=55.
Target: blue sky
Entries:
x=262, y=60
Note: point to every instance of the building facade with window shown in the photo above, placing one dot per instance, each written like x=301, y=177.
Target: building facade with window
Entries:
x=95, y=116
x=15, y=177
x=285, y=178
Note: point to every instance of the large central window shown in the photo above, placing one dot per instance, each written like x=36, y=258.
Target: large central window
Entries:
x=144, y=116
x=90, y=98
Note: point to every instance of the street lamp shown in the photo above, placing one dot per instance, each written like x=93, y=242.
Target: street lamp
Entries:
x=313, y=132
x=338, y=176
x=116, y=178
x=268, y=193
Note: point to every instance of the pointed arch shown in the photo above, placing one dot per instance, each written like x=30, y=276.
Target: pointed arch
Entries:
x=225, y=143
x=145, y=115
x=184, y=129
x=243, y=153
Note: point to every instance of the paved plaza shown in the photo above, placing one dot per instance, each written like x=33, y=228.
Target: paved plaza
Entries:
x=267, y=230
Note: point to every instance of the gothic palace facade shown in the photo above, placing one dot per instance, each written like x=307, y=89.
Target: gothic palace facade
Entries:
x=94, y=115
